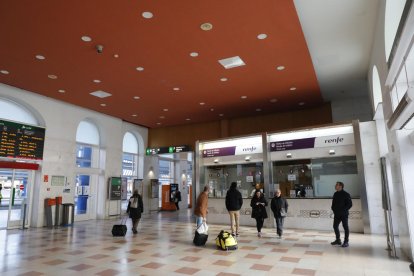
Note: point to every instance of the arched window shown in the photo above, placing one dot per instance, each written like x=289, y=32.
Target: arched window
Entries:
x=87, y=145
x=130, y=161
x=393, y=12
x=376, y=87
x=12, y=111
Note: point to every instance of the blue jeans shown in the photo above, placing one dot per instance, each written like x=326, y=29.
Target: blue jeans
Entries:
x=199, y=220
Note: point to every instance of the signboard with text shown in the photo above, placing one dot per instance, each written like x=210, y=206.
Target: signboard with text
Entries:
x=313, y=142
x=171, y=149
x=234, y=150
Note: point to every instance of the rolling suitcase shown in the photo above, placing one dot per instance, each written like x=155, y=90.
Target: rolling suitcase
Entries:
x=201, y=235
x=119, y=230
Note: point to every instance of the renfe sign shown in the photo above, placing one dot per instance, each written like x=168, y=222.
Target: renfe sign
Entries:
x=313, y=142
x=234, y=150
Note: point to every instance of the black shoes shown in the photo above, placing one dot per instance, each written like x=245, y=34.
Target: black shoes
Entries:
x=336, y=242
x=345, y=244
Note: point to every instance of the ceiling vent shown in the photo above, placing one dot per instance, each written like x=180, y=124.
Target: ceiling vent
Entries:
x=404, y=111
x=101, y=94
x=232, y=62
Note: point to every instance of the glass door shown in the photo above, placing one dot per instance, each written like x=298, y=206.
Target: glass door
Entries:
x=15, y=197
x=85, y=195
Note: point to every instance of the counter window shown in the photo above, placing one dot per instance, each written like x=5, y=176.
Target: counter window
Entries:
x=248, y=178
x=316, y=177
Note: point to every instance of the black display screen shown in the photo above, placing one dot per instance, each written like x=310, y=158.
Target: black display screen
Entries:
x=21, y=141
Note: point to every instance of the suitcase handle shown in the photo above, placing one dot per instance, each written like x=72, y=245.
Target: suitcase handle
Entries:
x=124, y=219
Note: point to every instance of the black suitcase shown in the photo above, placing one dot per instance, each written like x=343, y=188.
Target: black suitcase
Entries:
x=200, y=239
x=119, y=230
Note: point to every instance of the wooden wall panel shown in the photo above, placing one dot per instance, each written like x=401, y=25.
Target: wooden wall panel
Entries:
x=189, y=134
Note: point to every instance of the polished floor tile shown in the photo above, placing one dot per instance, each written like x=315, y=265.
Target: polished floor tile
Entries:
x=164, y=246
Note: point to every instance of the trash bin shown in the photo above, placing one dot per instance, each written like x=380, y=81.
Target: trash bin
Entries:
x=49, y=202
x=68, y=214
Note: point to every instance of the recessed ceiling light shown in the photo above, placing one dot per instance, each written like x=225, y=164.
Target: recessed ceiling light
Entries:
x=243, y=97
x=134, y=115
x=165, y=109
x=292, y=88
x=61, y=91
x=147, y=15
x=221, y=115
x=188, y=119
x=194, y=54
x=302, y=103
x=162, y=117
x=96, y=81
x=176, y=89
x=86, y=38
x=262, y=36
x=102, y=104
x=140, y=68
x=53, y=77
x=40, y=57
x=280, y=68
x=116, y=56
x=258, y=109
x=211, y=109
x=136, y=97
x=223, y=79
x=232, y=62
x=158, y=123
x=202, y=103
x=100, y=94
x=206, y=26
x=273, y=100
x=5, y=72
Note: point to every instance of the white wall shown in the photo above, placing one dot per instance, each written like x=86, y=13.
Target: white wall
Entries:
x=356, y=108
x=61, y=121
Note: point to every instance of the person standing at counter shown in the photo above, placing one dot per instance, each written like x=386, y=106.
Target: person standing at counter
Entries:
x=258, y=204
x=341, y=203
x=200, y=210
x=234, y=202
x=279, y=206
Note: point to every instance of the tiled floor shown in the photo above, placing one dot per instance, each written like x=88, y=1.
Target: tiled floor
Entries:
x=164, y=247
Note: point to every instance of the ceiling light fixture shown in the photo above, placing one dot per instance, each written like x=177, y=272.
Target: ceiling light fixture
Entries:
x=243, y=97
x=211, y=109
x=302, y=103
x=206, y=26
x=136, y=97
x=140, y=69
x=223, y=79
x=216, y=161
x=100, y=94
x=165, y=109
x=273, y=100
x=292, y=88
x=262, y=36
x=147, y=15
x=247, y=158
x=158, y=123
x=188, y=119
x=5, y=72
x=194, y=54
x=96, y=81
x=134, y=115
x=116, y=56
x=202, y=103
x=176, y=89
x=221, y=115
x=280, y=68
x=61, y=91
x=40, y=57
x=258, y=109
x=102, y=104
x=232, y=62
x=162, y=117
x=53, y=77
x=86, y=38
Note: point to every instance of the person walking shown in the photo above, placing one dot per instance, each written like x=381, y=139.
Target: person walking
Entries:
x=279, y=206
x=177, y=199
x=234, y=202
x=135, y=209
x=258, y=204
x=341, y=203
x=200, y=210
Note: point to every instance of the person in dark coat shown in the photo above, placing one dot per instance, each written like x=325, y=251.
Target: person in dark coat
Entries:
x=258, y=204
x=279, y=206
x=234, y=202
x=341, y=203
x=135, y=209
x=177, y=199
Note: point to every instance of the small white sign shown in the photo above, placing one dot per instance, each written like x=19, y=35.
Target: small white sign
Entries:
x=86, y=190
x=249, y=178
x=78, y=190
x=292, y=177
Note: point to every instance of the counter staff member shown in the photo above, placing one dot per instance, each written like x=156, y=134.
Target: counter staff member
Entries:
x=341, y=203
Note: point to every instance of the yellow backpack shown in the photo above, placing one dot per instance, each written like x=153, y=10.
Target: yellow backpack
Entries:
x=226, y=241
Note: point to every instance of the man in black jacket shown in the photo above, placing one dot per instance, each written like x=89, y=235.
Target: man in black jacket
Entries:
x=234, y=202
x=341, y=203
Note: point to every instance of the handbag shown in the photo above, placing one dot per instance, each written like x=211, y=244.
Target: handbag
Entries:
x=203, y=228
x=283, y=212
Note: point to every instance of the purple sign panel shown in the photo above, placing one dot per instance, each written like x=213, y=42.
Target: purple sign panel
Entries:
x=219, y=152
x=305, y=143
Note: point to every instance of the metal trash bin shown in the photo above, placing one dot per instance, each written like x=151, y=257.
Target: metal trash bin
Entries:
x=68, y=214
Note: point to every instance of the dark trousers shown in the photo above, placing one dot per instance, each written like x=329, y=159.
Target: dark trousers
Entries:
x=176, y=205
x=337, y=221
x=259, y=224
x=279, y=225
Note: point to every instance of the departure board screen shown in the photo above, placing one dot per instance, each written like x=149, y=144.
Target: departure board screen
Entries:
x=21, y=141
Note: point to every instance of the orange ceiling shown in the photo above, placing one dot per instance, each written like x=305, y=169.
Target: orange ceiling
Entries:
x=162, y=46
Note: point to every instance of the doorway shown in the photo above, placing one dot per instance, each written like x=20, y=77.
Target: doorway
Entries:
x=15, y=202
x=85, y=197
